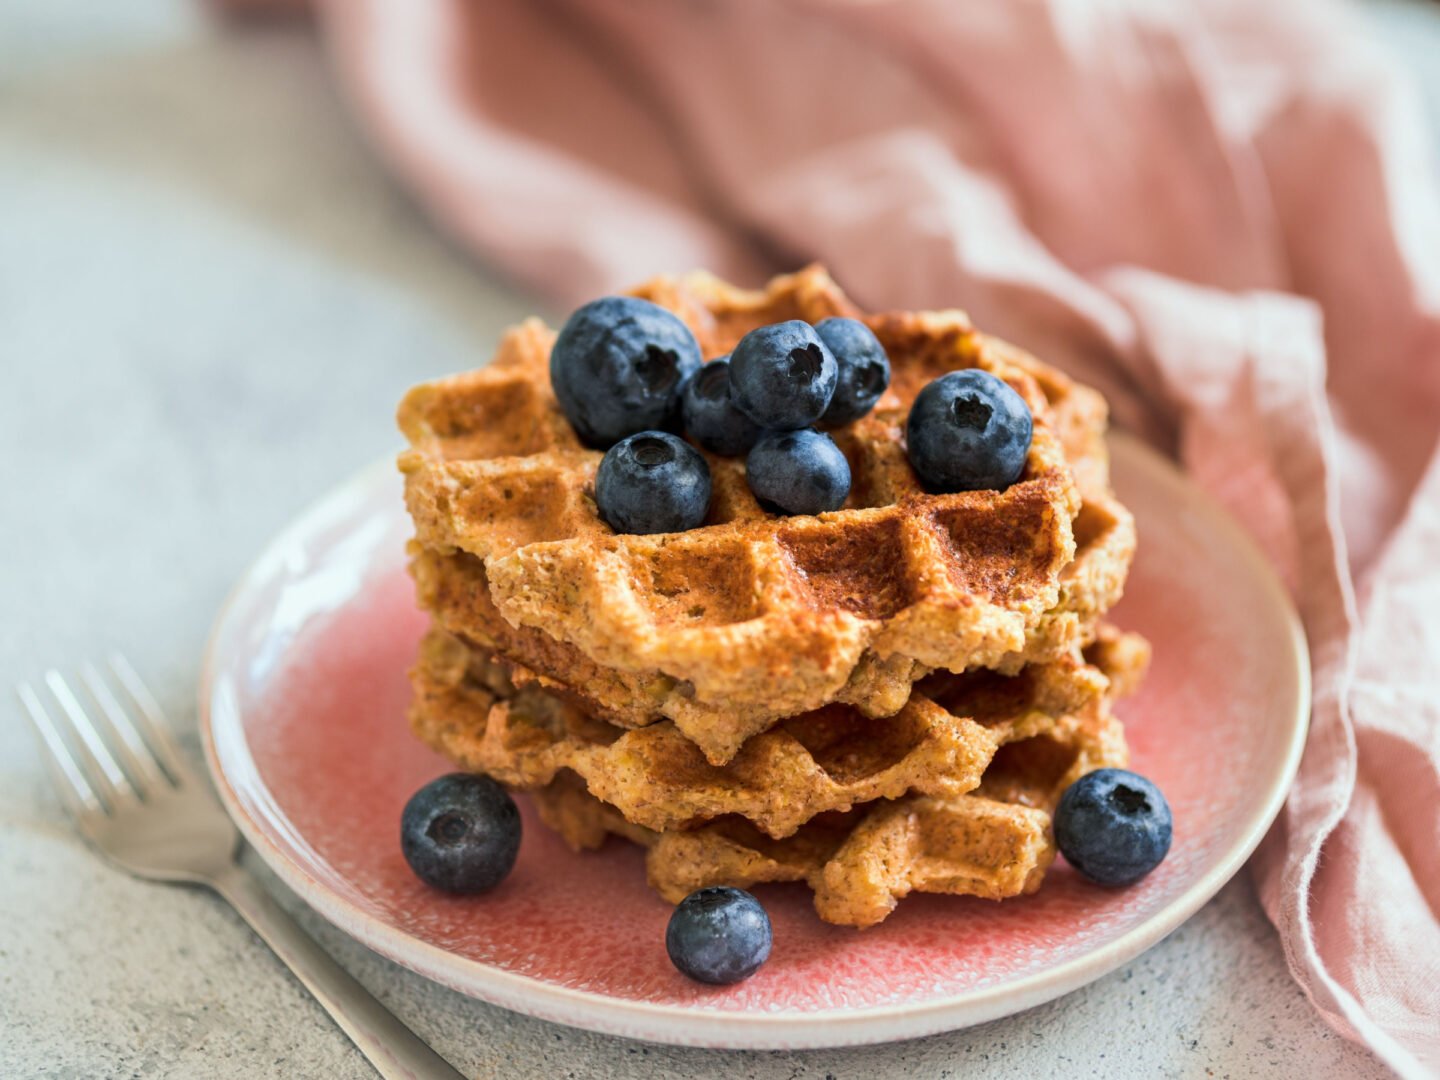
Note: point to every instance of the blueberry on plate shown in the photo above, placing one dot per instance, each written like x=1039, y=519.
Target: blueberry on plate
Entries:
x=461, y=833
x=968, y=431
x=718, y=935
x=782, y=376
x=864, y=369
x=711, y=417
x=653, y=482
x=1113, y=826
x=798, y=472
x=617, y=367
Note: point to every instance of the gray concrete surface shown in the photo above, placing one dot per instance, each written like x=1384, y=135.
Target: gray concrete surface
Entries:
x=210, y=299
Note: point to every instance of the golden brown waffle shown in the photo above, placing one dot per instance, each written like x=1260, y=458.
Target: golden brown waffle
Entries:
x=922, y=824
x=729, y=627
x=994, y=842
x=1123, y=657
x=456, y=590
x=940, y=744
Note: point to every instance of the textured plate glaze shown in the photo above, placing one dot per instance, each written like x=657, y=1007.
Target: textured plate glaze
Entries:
x=302, y=709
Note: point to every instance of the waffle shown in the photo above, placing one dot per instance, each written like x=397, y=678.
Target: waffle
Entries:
x=951, y=795
x=729, y=627
x=993, y=843
x=939, y=744
x=455, y=589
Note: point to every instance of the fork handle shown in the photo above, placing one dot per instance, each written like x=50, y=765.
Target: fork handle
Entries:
x=396, y=1052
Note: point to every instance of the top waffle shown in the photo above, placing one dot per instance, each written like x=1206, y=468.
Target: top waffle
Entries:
x=753, y=613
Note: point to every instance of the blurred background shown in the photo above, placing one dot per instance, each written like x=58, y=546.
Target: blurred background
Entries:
x=212, y=294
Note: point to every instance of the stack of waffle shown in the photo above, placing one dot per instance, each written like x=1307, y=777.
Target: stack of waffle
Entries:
x=885, y=699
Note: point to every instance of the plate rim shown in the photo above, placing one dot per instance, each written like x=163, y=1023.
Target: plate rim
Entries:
x=696, y=1024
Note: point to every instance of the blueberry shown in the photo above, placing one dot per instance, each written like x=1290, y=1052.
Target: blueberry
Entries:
x=711, y=418
x=718, y=935
x=798, y=472
x=1113, y=826
x=617, y=367
x=653, y=482
x=783, y=376
x=864, y=369
x=968, y=431
x=461, y=833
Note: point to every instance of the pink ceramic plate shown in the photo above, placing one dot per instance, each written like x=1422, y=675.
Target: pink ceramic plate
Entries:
x=303, y=708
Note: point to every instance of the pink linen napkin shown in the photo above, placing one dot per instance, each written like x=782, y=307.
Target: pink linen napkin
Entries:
x=1222, y=213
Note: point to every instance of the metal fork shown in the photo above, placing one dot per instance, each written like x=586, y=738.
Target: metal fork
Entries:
x=139, y=805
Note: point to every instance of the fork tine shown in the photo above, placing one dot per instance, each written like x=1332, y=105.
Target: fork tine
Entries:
x=151, y=721
x=136, y=758
x=75, y=791
x=105, y=772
